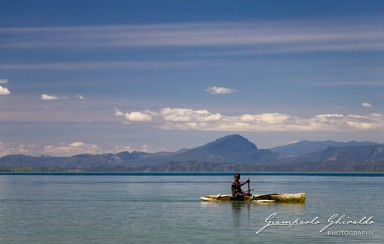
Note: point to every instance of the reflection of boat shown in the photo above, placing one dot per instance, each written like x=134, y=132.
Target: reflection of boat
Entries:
x=268, y=198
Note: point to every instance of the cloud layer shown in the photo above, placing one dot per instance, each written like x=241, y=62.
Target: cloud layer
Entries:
x=189, y=119
x=281, y=36
x=64, y=149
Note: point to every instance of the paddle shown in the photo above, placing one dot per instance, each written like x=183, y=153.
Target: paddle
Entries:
x=249, y=190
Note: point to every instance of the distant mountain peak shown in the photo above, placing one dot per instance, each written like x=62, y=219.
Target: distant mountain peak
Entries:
x=231, y=148
x=232, y=142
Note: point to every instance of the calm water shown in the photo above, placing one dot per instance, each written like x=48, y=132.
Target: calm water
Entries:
x=165, y=208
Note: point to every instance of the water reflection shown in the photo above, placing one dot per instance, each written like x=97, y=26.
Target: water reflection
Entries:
x=240, y=213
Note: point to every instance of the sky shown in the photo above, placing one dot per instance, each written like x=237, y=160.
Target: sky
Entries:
x=110, y=76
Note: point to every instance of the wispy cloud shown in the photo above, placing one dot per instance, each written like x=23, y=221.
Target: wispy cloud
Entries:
x=3, y=81
x=216, y=90
x=271, y=36
x=351, y=83
x=189, y=119
x=47, y=97
x=121, y=65
x=366, y=105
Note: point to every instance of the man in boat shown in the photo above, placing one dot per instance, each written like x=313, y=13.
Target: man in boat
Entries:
x=237, y=192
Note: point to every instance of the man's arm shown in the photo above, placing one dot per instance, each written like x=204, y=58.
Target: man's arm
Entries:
x=245, y=182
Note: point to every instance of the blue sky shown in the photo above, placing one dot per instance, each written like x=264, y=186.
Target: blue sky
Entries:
x=108, y=76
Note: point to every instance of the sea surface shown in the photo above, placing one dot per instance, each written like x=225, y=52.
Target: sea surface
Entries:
x=166, y=208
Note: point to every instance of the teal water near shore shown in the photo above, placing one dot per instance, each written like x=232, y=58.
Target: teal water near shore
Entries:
x=165, y=208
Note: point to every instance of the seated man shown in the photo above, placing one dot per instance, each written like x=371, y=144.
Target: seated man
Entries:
x=237, y=192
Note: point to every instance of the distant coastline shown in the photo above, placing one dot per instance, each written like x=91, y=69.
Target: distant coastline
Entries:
x=232, y=153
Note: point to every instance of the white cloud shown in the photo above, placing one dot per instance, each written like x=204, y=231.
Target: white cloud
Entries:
x=188, y=115
x=3, y=81
x=145, y=148
x=61, y=149
x=64, y=149
x=138, y=116
x=366, y=105
x=76, y=144
x=78, y=147
x=185, y=119
x=81, y=97
x=13, y=148
x=128, y=148
x=122, y=148
x=219, y=90
x=4, y=91
x=118, y=113
x=272, y=118
x=47, y=97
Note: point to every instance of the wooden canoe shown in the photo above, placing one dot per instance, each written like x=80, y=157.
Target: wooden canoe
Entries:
x=283, y=197
x=228, y=198
x=268, y=198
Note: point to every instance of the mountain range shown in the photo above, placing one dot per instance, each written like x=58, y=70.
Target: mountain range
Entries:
x=226, y=154
x=303, y=147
